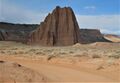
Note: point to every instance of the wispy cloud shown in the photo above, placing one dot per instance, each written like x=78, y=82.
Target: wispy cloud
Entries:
x=15, y=14
x=90, y=7
x=106, y=23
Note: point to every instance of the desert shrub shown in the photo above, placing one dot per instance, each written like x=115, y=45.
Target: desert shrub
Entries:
x=62, y=53
x=9, y=52
x=15, y=53
x=100, y=67
x=2, y=61
x=14, y=48
x=85, y=54
x=96, y=56
x=2, y=52
x=71, y=52
x=79, y=55
x=21, y=52
x=32, y=50
x=40, y=53
x=117, y=56
x=48, y=51
x=50, y=57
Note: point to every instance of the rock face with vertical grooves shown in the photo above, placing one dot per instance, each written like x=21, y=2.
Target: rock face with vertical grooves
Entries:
x=2, y=36
x=59, y=28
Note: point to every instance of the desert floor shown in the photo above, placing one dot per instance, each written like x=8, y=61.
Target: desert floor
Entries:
x=96, y=62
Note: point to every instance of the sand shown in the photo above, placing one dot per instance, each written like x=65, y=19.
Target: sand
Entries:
x=113, y=38
x=63, y=64
x=16, y=73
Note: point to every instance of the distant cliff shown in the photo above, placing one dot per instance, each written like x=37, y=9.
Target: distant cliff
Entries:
x=15, y=32
x=92, y=35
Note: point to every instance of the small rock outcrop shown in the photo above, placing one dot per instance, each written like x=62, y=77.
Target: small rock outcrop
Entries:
x=60, y=28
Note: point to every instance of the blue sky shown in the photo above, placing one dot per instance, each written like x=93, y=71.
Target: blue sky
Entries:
x=98, y=14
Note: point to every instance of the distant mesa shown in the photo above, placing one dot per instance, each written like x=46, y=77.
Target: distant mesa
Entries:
x=15, y=32
x=60, y=28
x=91, y=36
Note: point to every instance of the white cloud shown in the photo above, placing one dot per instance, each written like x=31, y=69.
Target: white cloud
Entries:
x=15, y=14
x=106, y=23
x=90, y=7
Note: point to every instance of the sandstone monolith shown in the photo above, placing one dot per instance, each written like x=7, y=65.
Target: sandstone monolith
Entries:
x=60, y=28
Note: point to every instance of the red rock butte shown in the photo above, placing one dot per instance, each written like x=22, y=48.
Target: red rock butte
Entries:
x=60, y=28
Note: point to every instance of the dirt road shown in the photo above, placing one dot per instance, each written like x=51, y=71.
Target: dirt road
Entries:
x=59, y=73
